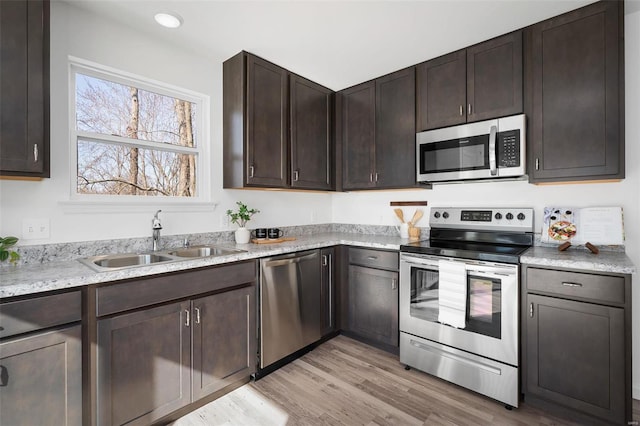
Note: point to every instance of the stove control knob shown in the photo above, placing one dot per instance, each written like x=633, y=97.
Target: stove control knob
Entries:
x=445, y=215
x=520, y=216
x=509, y=216
x=498, y=216
x=436, y=215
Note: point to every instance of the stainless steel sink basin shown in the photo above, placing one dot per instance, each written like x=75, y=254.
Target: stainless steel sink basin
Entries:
x=113, y=262
x=203, y=251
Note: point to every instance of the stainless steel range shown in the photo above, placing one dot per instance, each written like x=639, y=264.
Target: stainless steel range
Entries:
x=459, y=294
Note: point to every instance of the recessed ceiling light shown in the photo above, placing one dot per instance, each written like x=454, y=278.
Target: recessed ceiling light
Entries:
x=168, y=19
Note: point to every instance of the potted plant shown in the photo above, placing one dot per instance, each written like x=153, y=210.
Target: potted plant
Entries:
x=240, y=218
x=5, y=253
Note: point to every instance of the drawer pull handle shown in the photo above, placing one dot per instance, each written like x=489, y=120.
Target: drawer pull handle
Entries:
x=4, y=376
x=570, y=284
x=531, y=310
x=372, y=257
x=187, y=320
x=394, y=284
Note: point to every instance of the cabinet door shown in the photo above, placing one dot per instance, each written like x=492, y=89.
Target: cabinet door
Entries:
x=328, y=290
x=576, y=101
x=575, y=355
x=41, y=379
x=24, y=79
x=143, y=365
x=311, y=130
x=441, y=91
x=266, y=124
x=494, y=78
x=373, y=304
x=396, y=130
x=358, y=136
x=224, y=337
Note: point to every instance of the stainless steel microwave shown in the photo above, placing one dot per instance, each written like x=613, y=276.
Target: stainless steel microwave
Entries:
x=482, y=150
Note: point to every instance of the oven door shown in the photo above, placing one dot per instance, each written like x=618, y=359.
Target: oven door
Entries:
x=491, y=309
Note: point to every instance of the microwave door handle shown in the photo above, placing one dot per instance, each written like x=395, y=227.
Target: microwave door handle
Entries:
x=492, y=150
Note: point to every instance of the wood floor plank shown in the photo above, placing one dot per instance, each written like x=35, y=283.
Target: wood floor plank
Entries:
x=346, y=382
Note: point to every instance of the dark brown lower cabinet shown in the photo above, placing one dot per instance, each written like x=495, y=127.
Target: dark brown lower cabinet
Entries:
x=576, y=341
x=373, y=304
x=223, y=350
x=155, y=361
x=573, y=348
x=41, y=378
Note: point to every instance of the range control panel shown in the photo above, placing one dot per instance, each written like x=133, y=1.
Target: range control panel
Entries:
x=515, y=219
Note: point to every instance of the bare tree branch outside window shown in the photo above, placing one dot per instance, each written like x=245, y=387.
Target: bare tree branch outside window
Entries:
x=114, y=166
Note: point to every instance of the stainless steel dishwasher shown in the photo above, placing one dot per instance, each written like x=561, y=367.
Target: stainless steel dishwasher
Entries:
x=289, y=304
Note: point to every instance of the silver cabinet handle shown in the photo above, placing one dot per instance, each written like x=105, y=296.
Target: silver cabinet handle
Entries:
x=325, y=261
x=295, y=175
x=394, y=284
x=531, y=310
x=461, y=110
x=251, y=170
x=570, y=284
x=330, y=292
x=371, y=177
x=469, y=110
x=492, y=150
x=537, y=164
x=35, y=153
x=187, y=320
x=372, y=257
x=376, y=175
x=197, y=315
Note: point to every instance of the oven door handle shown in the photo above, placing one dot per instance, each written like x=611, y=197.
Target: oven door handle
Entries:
x=417, y=261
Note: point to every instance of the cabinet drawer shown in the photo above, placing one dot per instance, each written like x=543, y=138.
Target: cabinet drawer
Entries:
x=374, y=258
x=165, y=288
x=605, y=288
x=38, y=313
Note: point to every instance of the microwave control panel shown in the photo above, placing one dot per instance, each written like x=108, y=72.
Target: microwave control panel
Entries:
x=508, y=148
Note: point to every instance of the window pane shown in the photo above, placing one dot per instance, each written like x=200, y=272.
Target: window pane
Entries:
x=110, y=108
x=123, y=170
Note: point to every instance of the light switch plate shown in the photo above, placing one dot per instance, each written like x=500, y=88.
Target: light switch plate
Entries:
x=35, y=229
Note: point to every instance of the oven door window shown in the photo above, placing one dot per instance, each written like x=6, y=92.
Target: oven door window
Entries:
x=454, y=155
x=424, y=294
x=484, y=301
x=484, y=306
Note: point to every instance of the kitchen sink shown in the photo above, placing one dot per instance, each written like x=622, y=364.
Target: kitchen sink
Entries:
x=203, y=251
x=113, y=262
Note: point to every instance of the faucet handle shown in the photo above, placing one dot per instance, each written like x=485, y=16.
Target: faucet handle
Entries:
x=155, y=223
x=185, y=243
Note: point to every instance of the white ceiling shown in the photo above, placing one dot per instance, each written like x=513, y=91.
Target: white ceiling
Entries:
x=335, y=43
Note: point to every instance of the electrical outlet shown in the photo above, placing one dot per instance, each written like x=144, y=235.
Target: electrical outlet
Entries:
x=224, y=221
x=35, y=229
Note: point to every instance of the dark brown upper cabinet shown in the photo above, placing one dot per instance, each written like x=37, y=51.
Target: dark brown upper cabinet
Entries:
x=24, y=85
x=277, y=127
x=478, y=83
x=311, y=113
x=575, y=95
x=378, y=133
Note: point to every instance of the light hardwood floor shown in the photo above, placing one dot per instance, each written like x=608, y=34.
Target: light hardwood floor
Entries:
x=344, y=382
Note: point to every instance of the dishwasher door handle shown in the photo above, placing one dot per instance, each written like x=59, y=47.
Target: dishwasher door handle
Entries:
x=290, y=261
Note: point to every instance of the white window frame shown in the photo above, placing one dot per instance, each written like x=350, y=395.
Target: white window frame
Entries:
x=201, y=150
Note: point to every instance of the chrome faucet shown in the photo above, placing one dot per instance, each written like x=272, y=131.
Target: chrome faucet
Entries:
x=156, y=226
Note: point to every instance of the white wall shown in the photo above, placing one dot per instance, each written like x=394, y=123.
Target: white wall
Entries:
x=76, y=33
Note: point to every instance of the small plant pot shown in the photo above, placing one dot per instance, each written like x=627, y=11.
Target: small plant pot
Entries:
x=243, y=235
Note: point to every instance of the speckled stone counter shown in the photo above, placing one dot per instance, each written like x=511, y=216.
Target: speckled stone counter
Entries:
x=31, y=279
x=579, y=258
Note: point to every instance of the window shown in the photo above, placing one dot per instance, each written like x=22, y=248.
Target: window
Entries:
x=135, y=139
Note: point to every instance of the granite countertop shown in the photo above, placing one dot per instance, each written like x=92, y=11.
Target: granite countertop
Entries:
x=36, y=278
x=579, y=258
